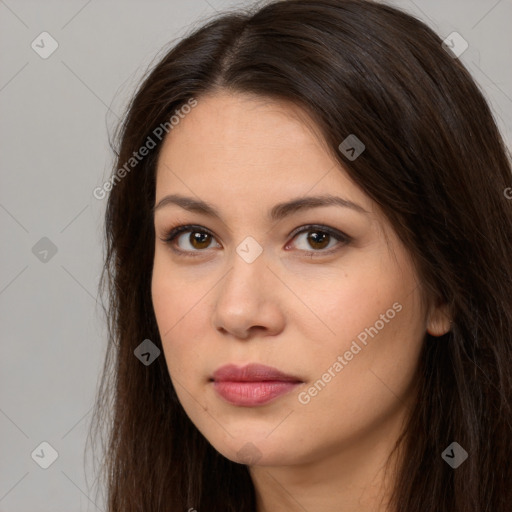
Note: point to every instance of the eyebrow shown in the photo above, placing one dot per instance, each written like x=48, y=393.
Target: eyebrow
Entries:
x=278, y=212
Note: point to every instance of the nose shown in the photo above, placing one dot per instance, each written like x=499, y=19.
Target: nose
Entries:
x=248, y=301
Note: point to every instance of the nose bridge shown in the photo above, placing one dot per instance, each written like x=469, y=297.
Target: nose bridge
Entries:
x=245, y=298
x=248, y=264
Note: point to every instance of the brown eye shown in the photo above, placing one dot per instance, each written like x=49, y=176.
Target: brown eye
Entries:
x=199, y=240
x=190, y=240
x=194, y=240
x=318, y=239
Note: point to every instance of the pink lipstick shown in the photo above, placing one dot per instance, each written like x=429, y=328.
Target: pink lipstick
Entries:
x=252, y=385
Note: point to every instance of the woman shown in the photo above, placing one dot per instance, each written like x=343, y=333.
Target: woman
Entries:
x=308, y=260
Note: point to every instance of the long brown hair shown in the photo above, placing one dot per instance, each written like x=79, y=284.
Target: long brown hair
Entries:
x=436, y=165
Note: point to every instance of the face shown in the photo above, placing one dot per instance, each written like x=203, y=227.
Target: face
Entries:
x=323, y=293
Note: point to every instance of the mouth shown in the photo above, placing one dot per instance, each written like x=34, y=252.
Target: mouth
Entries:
x=252, y=385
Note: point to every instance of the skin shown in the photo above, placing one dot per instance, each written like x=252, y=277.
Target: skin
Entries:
x=287, y=309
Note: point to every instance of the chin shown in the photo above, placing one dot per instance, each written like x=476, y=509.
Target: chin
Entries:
x=257, y=450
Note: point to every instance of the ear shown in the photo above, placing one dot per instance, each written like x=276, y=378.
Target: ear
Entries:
x=439, y=320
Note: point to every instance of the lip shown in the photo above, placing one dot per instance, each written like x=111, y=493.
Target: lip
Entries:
x=253, y=384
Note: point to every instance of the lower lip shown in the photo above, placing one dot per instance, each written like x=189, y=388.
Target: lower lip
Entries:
x=250, y=394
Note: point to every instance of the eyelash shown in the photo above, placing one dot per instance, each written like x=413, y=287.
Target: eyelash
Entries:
x=344, y=239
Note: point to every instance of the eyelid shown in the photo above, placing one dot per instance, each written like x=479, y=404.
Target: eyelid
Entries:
x=174, y=232
x=343, y=239
x=335, y=233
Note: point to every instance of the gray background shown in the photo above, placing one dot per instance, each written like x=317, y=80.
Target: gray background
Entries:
x=55, y=117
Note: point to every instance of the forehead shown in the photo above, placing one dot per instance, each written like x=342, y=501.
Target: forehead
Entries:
x=248, y=144
x=242, y=129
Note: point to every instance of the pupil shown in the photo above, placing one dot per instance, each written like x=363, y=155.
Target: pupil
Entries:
x=200, y=240
x=318, y=240
x=314, y=237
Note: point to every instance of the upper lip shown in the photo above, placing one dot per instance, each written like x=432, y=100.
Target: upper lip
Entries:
x=253, y=372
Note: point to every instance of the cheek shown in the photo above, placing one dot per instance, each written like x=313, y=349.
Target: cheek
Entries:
x=370, y=363
x=345, y=305
x=175, y=296
x=177, y=315
x=374, y=319
x=344, y=401
x=167, y=307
